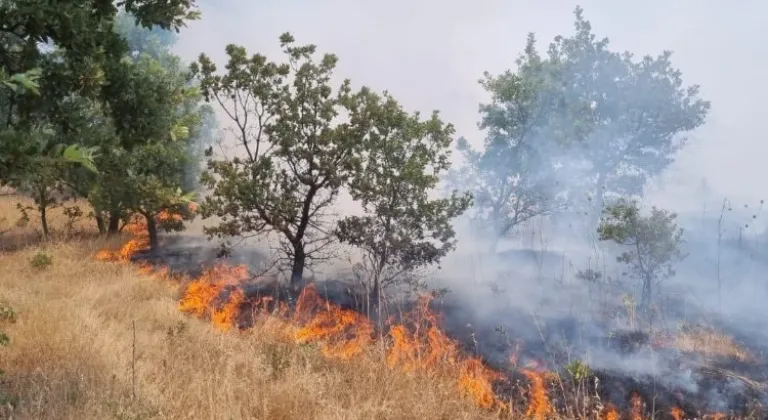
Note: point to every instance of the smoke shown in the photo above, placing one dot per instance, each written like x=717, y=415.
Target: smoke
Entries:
x=535, y=290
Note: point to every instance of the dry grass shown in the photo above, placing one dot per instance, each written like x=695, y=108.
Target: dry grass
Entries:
x=16, y=234
x=711, y=344
x=72, y=355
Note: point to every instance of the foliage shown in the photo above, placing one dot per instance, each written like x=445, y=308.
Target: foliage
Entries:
x=578, y=370
x=402, y=229
x=7, y=315
x=292, y=157
x=41, y=260
x=86, y=47
x=38, y=173
x=633, y=112
x=154, y=110
x=581, y=121
x=512, y=176
x=652, y=243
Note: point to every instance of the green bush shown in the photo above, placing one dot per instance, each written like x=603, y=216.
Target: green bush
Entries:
x=41, y=260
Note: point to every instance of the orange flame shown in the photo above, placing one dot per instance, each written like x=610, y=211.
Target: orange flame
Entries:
x=226, y=318
x=343, y=333
x=425, y=347
x=677, y=413
x=416, y=344
x=636, y=407
x=539, y=407
x=610, y=413
x=201, y=296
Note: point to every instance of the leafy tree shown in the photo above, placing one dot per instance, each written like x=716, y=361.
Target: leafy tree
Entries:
x=39, y=175
x=402, y=229
x=154, y=110
x=633, y=112
x=512, y=177
x=293, y=156
x=580, y=121
x=652, y=243
x=81, y=34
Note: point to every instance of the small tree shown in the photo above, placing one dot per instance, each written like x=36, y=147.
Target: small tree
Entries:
x=154, y=179
x=653, y=243
x=294, y=153
x=402, y=228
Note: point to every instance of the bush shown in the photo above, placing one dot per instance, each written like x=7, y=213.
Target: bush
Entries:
x=41, y=260
x=7, y=315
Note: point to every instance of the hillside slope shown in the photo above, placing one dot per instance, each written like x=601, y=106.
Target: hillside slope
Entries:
x=97, y=340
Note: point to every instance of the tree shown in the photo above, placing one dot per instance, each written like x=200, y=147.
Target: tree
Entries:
x=653, y=242
x=82, y=37
x=153, y=186
x=633, y=113
x=402, y=229
x=39, y=174
x=512, y=177
x=294, y=153
x=154, y=109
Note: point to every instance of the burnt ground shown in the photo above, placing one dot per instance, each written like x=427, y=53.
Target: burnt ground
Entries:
x=623, y=362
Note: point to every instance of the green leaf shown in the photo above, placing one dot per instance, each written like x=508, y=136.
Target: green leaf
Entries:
x=82, y=155
x=179, y=132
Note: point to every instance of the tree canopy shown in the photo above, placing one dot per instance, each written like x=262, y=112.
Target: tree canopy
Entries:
x=402, y=228
x=580, y=122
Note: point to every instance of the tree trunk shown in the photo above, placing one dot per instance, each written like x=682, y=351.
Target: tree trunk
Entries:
x=299, y=258
x=598, y=203
x=376, y=290
x=152, y=230
x=114, y=223
x=101, y=224
x=494, y=244
x=44, y=221
x=645, y=303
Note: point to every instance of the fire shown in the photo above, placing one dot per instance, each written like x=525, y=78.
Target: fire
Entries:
x=202, y=295
x=343, y=333
x=137, y=227
x=539, y=407
x=611, y=413
x=636, y=407
x=414, y=344
x=425, y=347
x=476, y=382
x=226, y=317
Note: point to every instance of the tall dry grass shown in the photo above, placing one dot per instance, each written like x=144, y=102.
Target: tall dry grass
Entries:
x=97, y=340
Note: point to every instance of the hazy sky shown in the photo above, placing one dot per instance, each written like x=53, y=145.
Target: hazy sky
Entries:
x=429, y=54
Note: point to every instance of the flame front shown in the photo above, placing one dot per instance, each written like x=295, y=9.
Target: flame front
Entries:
x=610, y=413
x=415, y=344
x=539, y=407
x=201, y=297
x=635, y=407
x=343, y=333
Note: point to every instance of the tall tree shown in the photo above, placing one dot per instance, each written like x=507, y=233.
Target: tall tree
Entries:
x=402, y=228
x=637, y=112
x=512, y=176
x=294, y=154
x=154, y=110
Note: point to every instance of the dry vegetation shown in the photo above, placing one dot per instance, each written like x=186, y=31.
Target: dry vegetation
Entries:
x=72, y=354
x=99, y=340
